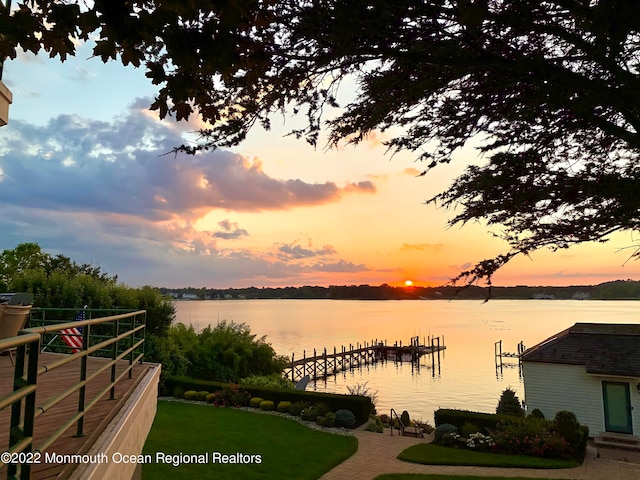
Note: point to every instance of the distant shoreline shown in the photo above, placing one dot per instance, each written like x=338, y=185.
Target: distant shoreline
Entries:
x=617, y=290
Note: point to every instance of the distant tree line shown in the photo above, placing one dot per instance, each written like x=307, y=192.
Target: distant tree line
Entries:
x=619, y=289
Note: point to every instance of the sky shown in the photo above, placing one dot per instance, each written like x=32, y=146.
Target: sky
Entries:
x=85, y=172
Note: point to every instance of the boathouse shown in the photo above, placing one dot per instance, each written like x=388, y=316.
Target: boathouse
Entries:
x=591, y=369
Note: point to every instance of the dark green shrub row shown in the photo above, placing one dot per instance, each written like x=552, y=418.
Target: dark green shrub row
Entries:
x=360, y=406
x=484, y=421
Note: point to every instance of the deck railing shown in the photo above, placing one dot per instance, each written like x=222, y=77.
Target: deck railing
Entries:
x=126, y=341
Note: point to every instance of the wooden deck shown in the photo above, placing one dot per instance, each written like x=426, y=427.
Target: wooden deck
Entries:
x=51, y=384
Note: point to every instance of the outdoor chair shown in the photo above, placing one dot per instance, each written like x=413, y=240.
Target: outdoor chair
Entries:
x=13, y=318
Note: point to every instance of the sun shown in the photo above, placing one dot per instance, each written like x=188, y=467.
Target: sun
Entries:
x=408, y=283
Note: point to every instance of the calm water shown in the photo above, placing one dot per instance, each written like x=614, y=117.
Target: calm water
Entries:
x=466, y=376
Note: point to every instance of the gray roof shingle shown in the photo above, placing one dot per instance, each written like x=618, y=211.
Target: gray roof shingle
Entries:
x=606, y=349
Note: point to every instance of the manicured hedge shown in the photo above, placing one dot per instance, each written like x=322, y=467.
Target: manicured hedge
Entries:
x=458, y=418
x=360, y=406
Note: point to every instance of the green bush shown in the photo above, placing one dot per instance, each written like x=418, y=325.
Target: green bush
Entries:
x=536, y=413
x=310, y=414
x=190, y=395
x=566, y=424
x=297, y=408
x=469, y=428
x=231, y=396
x=509, y=404
x=211, y=398
x=267, y=405
x=444, y=432
x=329, y=420
x=375, y=426
x=269, y=381
x=405, y=419
x=255, y=402
x=484, y=421
x=201, y=396
x=284, y=406
x=178, y=392
x=385, y=419
x=345, y=418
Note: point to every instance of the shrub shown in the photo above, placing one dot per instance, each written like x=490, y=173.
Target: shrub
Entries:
x=255, y=402
x=469, y=428
x=405, y=419
x=312, y=413
x=178, y=392
x=536, y=413
x=211, y=398
x=267, y=405
x=375, y=426
x=345, y=418
x=566, y=424
x=446, y=429
x=329, y=420
x=284, y=406
x=230, y=396
x=484, y=421
x=297, y=408
x=480, y=442
x=385, y=419
x=362, y=390
x=201, y=396
x=530, y=436
x=509, y=404
x=269, y=381
x=190, y=395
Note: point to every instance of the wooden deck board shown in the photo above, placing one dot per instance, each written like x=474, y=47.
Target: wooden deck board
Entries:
x=53, y=383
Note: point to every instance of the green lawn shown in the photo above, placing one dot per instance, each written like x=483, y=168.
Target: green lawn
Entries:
x=286, y=448
x=421, y=476
x=430, y=454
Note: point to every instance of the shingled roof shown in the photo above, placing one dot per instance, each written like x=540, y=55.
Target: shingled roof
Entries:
x=603, y=348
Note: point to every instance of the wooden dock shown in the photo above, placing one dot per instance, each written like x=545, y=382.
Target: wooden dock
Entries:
x=326, y=363
x=499, y=355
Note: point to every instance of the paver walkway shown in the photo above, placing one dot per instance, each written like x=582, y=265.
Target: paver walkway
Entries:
x=377, y=455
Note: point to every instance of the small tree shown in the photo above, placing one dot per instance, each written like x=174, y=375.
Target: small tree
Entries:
x=509, y=404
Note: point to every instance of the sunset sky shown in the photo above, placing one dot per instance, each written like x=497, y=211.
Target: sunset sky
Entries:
x=83, y=173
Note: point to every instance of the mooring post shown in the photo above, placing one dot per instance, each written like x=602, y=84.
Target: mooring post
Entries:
x=325, y=362
x=315, y=365
x=335, y=360
x=292, y=367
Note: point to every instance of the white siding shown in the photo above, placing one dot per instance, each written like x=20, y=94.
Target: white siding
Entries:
x=553, y=387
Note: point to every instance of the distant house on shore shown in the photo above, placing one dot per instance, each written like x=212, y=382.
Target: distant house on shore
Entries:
x=591, y=369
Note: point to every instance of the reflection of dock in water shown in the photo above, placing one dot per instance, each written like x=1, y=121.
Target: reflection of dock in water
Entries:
x=326, y=363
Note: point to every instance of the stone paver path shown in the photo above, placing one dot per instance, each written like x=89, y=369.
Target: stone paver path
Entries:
x=377, y=455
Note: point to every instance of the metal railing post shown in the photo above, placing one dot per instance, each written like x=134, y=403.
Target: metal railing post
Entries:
x=114, y=354
x=86, y=331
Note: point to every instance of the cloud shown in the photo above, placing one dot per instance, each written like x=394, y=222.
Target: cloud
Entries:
x=435, y=247
x=230, y=231
x=339, y=266
x=413, y=172
x=73, y=163
x=292, y=251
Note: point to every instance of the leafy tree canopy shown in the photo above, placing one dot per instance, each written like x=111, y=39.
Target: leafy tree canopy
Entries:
x=551, y=87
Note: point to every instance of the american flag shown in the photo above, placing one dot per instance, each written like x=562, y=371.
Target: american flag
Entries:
x=73, y=336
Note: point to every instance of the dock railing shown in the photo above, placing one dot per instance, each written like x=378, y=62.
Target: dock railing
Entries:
x=125, y=341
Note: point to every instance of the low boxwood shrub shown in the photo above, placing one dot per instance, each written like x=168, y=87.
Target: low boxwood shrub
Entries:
x=255, y=402
x=284, y=406
x=375, y=426
x=345, y=418
x=201, y=396
x=190, y=395
x=267, y=405
x=536, y=413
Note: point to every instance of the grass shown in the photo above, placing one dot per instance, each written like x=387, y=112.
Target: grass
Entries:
x=430, y=454
x=421, y=476
x=287, y=449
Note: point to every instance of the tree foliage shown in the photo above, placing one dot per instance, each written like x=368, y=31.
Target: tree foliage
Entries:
x=227, y=352
x=59, y=282
x=549, y=88
x=509, y=403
